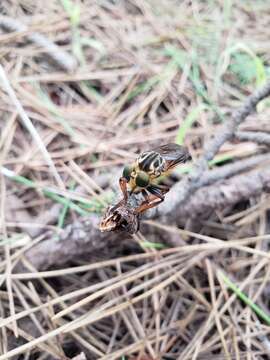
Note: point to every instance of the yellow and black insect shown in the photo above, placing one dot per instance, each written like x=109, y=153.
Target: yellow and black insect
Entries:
x=141, y=176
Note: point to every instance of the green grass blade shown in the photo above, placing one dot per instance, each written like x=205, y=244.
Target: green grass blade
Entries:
x=73, y=11
x=64, y=201
x=243, y=68
x=219, y=159
x=48, y=193
x=258, y=311
x=152, y=245
x=16, y=240
x=151, y=82
x=53, y=109
x=181, y=59
x=188, y=122
x=143, y=87
x=64, y=211
x=94, y=44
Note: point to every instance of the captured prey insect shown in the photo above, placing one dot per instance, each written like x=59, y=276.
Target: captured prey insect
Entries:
x=125, y=216
x=142, y=175
x=120, y=217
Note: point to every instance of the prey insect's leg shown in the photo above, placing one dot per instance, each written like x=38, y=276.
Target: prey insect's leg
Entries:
x=123, y=187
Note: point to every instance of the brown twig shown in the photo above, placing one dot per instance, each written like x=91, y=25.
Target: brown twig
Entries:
x=62, y=58
x=77, y=239
x=226, y=171
x=228, y=192
x=182, y=190
x=255, y=136
x=82, y=237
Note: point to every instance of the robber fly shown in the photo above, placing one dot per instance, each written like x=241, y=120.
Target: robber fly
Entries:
x=141, y=176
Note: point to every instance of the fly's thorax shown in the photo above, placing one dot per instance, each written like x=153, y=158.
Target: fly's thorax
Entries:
x=152, y=163
x=138, y=180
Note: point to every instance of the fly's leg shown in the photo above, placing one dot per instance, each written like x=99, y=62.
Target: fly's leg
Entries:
x=156, y=197
x=145, y=195
x=158, y=190
x=149, y=203
x=123, y=187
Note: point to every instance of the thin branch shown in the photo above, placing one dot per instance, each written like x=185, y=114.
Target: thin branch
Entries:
x=62, y=58
x=255, y=136
x=77, y=239
x=183, y=189
x=229, y=128
x=84, y=237
x=225, y=171
x=228, y=192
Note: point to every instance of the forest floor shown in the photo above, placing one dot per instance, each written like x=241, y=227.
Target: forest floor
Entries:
x=85, y=86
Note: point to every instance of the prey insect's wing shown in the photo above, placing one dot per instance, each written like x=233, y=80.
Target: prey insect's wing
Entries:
x=173, y=154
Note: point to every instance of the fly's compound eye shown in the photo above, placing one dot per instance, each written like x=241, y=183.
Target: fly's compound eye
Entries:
x=127, y=172
x=142, y=179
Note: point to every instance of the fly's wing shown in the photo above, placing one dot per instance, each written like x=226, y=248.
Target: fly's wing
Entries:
x=173, y=154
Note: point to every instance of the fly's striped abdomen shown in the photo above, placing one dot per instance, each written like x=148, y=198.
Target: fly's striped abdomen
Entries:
x=151, y=162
